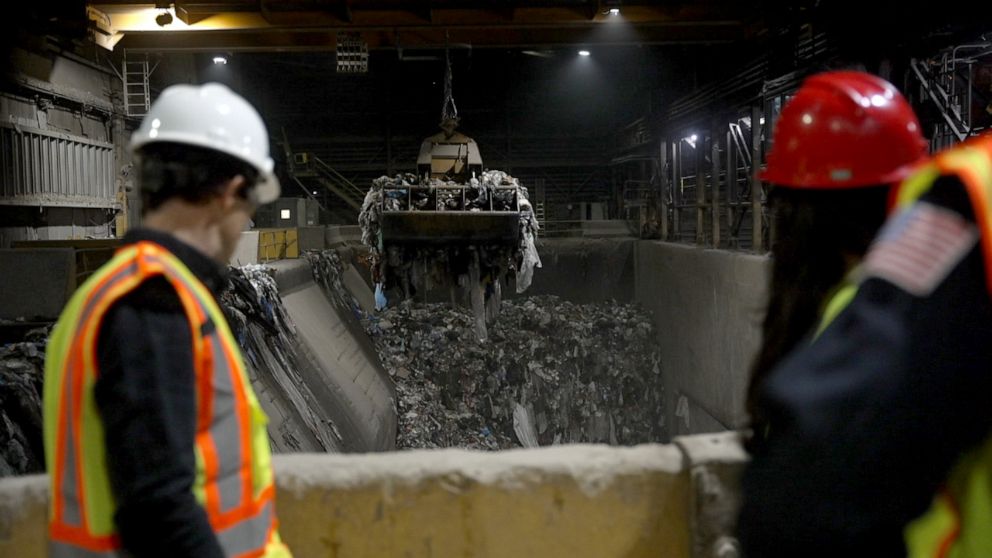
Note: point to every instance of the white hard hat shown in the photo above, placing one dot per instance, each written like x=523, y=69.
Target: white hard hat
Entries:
x=213, y=117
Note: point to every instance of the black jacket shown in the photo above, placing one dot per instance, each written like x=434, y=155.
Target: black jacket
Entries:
x=870, y=418
x=146, y=399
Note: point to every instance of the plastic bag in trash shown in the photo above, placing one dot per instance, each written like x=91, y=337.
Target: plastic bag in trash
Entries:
x=380, y=297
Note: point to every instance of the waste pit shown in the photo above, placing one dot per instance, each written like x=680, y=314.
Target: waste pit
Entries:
x=551, y=372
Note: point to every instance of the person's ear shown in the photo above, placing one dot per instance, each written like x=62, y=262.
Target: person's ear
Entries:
x=231, y=191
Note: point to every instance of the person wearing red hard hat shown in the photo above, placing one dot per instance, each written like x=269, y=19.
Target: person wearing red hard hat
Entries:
x=881, y=429
x=839, y=145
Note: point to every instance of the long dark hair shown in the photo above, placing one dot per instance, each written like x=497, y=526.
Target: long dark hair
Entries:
x=818, y=232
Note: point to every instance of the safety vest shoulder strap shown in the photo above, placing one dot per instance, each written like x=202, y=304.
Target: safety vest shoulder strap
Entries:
x=971, y=163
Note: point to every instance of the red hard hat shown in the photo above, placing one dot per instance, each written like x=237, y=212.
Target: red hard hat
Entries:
x=844, y=130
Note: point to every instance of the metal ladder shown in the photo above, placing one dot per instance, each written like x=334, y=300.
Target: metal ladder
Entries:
x=538, y=200
x=135, y=72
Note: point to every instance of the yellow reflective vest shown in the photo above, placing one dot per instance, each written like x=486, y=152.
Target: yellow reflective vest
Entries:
x=959, y=521
x=234, y=481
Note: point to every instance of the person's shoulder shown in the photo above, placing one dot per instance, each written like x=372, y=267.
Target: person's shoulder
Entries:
x=155, y=294
x=950, y=193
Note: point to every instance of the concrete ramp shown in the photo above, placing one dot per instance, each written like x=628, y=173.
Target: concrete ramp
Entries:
x=344, y=372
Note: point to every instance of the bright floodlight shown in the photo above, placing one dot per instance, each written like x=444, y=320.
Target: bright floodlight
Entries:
x=584, y=53
x=614, y=11
x=693, y=137
x=220, y=60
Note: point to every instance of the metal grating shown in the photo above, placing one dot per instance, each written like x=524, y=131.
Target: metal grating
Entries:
x=43, y=168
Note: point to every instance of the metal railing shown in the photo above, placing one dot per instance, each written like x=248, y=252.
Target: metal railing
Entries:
x=308, y=165
x=948, y=81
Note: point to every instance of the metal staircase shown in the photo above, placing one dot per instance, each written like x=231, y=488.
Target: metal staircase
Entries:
x=308, y=167
x=948, y=81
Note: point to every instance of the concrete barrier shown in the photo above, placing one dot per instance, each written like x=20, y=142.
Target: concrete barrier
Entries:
x=708, y=306
x=563, y=501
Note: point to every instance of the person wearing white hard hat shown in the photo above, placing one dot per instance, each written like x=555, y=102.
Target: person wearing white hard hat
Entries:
x=155, y=442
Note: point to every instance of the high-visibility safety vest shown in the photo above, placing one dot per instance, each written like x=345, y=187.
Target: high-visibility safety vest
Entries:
x=957, y=525
x=234, y=481
x=959, y=521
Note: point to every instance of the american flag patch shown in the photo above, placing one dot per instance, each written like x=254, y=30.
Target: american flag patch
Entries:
x=917, y=249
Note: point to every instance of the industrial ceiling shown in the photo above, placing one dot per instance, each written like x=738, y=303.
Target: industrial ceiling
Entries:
x=266, y=25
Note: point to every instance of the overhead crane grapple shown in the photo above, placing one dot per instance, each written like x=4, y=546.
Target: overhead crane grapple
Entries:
x=450, y=224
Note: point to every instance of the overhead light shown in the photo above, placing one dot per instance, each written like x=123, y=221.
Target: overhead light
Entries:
x=614, y=11
x=584, y=53
x=538, y=53
x=693, y=137
x=220, y=60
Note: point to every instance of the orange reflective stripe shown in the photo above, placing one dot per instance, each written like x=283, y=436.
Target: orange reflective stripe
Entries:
x=73, y=378
x=83, y=538
x=951, y=537
x=85, y=355
x=63, y=427
x=961, y=162
x=248, y=510
x=221, y=371
x=155, y=260
x=244, y=418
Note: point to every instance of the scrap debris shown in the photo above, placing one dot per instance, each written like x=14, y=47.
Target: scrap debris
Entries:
x=552, y=372
x=22, y=367
x=478, y=269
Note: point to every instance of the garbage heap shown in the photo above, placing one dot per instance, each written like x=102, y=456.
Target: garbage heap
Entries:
x=273, y=354
x=22, y=367
x=478, y=270
x=552, y=372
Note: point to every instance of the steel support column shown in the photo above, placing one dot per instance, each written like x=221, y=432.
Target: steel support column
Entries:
x=677, y=188
x=664, y=187
x=701, y=208
x=715, y=184
x=731, y=189
x=757, y=233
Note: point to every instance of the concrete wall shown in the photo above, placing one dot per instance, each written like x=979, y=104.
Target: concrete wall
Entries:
x=565, y=501
x=708, y=306
x=585, y=269
x=36, y=283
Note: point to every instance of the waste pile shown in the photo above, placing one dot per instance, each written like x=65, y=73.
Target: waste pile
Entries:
x=327, y=268
x=551, y=372
x=479, y=270
x=22, y=367
x=273, y=355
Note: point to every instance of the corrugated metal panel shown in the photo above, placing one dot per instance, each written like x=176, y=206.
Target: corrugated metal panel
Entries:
x=46, y=168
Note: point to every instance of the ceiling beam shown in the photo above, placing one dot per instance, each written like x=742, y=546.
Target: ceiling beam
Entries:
x=434, y=37
x=259, y=14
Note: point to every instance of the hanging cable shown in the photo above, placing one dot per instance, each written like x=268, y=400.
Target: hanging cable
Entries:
x=448, y=111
